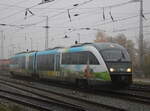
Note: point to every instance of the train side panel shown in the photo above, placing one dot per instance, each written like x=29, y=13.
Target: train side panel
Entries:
x=94, y=63
x=19, y=64
x=31, y=65
x=71, y=64
x=47, y=64
x=83, y=63
x=4, y=64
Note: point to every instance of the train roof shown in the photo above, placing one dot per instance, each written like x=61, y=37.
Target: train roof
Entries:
x=78, y=47
x=54, y=48
x=107, y=45
x=23, y=53
x=51, y=51
x=26, y=52
x=100, y=45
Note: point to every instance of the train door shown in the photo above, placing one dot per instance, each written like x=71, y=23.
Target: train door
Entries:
x=27, y=62
x=35, y=72
x=57, y=63
x=35, y=63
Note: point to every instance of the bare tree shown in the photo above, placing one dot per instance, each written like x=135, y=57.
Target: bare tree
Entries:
x=101, y=37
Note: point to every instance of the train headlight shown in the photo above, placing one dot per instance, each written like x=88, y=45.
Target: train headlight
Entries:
x=112, y=69
x=129, y=70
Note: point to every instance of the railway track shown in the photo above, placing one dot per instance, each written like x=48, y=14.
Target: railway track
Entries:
x=38, y=103
x=78, y=103
x=135, y=93
x=129, y=94
x=139, y=87
x=29, y=98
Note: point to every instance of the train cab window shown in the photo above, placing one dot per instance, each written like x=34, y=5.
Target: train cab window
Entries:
x=92, y=59
x=115, y=55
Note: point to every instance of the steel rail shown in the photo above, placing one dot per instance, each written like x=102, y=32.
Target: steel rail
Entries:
x=37, y=103
x=86, y=104
x=126, y=95
x=122, y=94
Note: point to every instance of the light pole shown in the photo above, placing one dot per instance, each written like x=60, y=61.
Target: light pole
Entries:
x=141, y=53
x=37, y=46
x=31, y=44
x=141, y=37
x=2, y=45
x=78, y=37
x=25, y=38
x=46, y=33
x=13, y=50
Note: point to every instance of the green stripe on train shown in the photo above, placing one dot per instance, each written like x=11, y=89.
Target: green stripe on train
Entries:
x=102, y=75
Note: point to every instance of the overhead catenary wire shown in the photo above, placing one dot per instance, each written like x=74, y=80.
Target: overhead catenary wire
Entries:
x=130, y=28
x=36, y=23
x=110, y=6
x=13, y=5
x=83, y=3
x=6, y=17
x=28, y=25
x=116, y=20
x=28, y=16
x=119, y=20
x=15, y=13
x=106, y=23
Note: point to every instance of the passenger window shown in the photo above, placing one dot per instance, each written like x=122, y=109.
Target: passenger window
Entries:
x=79, y=58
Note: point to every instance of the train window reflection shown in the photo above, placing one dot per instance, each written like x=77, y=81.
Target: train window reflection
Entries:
x=115, y=55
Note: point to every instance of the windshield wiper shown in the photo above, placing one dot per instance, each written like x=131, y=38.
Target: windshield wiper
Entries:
x=123, y=56
x=119, y=59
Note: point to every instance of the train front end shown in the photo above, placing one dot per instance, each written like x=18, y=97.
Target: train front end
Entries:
x=120, y=72
x=118, y=63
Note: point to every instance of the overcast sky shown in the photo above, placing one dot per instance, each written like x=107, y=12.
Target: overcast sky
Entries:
x=20, y=30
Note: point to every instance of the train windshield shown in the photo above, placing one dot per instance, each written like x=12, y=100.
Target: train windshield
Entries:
x=115, y=55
